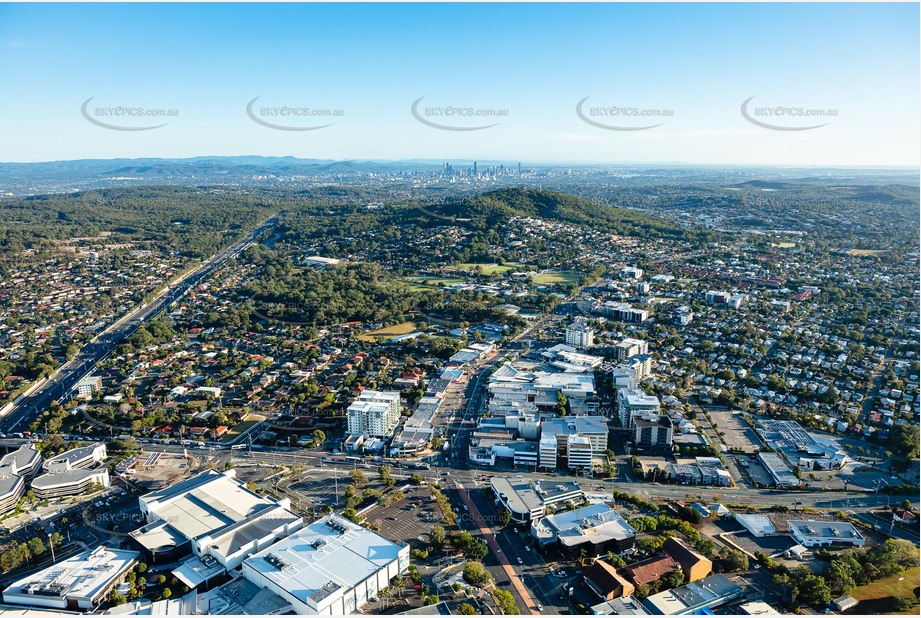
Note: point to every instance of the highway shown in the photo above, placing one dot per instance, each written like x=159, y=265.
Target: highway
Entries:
x=62, y=381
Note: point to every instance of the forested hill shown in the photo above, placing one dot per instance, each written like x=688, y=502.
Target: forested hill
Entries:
x=494, y=206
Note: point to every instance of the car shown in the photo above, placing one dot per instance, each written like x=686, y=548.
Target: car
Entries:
x=527, y=548
x=520, y=561
x=540, y=607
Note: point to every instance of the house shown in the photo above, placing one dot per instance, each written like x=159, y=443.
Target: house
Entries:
x=602, y=578
x=651, y=569
x=694, y=565
x=901, y=516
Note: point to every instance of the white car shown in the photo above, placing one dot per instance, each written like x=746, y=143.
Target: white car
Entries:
x=520, y=561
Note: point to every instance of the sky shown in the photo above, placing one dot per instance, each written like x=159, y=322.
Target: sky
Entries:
x=657, y=82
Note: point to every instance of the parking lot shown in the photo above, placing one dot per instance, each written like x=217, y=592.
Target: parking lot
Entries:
x=736, y=434
x=404, y=520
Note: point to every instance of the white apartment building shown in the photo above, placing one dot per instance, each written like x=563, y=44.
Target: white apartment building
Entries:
x=580, y=335
x=374, y=413
x=632, y=402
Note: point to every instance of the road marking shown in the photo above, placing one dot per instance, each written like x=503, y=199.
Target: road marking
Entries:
x=503, y=561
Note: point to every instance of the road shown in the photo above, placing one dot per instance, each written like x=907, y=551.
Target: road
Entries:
x=26, y=409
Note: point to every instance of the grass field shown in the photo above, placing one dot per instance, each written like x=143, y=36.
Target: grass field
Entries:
x=861, y=252
x=390, y=331
x=489, y=269
x=564, y=276
x=242, y=426
x=420, y=283
x=878, y=597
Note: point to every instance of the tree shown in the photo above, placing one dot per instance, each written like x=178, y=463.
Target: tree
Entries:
x=358, y=477
x=167, y=593
x=318, y=437
x=505, y=518
x=673, y=579
x=562, y=403
x=733, y=560
x=906, y=504
x=431, y=599
x=416, y=479
x=506, y=602
x=437, y=535
x=476, y=550
x=476, y=574
x=466, y=609
x=386, y=477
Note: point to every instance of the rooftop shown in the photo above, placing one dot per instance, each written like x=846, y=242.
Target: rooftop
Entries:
x=83, y=575
x=329, y=555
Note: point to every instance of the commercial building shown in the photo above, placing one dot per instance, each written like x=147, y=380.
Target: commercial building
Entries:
x=528, y=500
x=330, y=567
x=633, y=402
x=758, y=525
x=694, y=598
x=652, y=433
x=622, y=312
x=580, y=335
x=825, y=533
x=374, y=413
x=627, y=606
x=78, y=583
x=595, y=529
x=780, y=472
x=574, y=439
x=214, y=517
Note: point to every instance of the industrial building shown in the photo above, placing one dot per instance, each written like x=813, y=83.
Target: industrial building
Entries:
x=332, y=566
x=780, y=472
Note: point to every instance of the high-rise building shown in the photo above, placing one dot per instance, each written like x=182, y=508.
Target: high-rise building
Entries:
x=580, y=335
x=374, y=413
x=652, y=432
x=632, y=402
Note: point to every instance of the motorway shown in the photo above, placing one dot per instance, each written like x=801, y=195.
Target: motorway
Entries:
x=62, y=381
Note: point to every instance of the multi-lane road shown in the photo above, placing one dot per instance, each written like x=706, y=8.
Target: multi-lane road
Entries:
x=62, y=381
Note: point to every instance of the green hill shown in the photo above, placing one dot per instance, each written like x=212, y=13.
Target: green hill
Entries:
x=490, y=208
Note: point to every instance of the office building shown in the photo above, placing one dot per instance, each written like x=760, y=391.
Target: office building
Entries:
x=595, y=529
x=61, y=482
x=528, y=500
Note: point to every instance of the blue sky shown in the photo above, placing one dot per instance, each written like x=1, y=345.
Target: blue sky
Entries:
x=697, y=63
